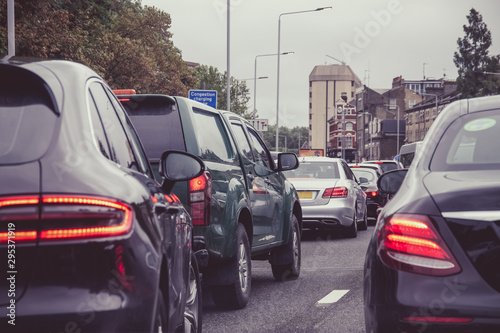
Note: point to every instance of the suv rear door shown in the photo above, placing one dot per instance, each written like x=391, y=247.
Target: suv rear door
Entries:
x=265, y=190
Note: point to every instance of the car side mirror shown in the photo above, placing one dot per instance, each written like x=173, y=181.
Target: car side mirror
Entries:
x=179, y=166
x=390, y=181
x=287, y=161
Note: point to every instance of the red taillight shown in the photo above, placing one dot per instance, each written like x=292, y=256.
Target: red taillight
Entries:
x=335, y=192
x=62, y=217
x=18, y=217
x=379, y=162
x=200, y=197
x=371, y=193
x=448, y=320
x=65, y=217
x=124, y=91
x=411, y=243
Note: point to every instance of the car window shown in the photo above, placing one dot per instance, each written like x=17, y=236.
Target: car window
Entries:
x=314, y=170
x=120, y=149
x=468, y=144
x=27, y=120
x=369, y=175
x=98, y=129
x=134, y=140
x=213, y=139
x=158, y=124
x=348, y=172
x=260, y=150
x=241, y=139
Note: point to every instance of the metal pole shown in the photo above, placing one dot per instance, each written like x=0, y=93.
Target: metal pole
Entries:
x=11, y=29
x=343, y=132
x=228, y=88
x=255, y=79
x=397, y=142
x=278, y=78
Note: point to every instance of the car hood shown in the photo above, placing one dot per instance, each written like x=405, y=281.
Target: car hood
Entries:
x=465, y=191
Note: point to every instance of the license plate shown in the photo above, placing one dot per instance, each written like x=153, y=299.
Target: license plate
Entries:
x=305, y=195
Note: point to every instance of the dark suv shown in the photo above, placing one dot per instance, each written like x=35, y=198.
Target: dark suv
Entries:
x=243, y=205
x=89, y=241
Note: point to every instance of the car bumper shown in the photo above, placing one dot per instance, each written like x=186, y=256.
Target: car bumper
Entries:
x=327, y=217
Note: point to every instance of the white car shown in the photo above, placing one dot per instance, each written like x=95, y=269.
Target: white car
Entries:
x=330, y=195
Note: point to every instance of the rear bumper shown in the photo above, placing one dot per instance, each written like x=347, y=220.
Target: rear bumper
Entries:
x=327, y=217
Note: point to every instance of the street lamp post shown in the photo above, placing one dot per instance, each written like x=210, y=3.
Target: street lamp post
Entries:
x=369, y=130
x=436, y=100
x=278, y=77
x=255, y=79
x=397, y=126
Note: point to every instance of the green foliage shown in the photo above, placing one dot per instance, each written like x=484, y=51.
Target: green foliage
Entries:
x=473, y=62
x=209, y=78
x=129, y=45
x=294, y=137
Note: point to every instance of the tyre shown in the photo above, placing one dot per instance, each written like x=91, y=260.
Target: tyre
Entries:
x=363, y=225
x=193, y=309
x=236, y=296
x=352, y=231
x=161, y=321
x=293, y=250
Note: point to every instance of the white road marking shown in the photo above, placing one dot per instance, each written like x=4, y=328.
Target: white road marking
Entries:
x=332, y=297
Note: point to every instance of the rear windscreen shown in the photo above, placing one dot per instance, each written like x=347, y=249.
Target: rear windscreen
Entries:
x=157, y=123
x=27, y=116
x=314, y=170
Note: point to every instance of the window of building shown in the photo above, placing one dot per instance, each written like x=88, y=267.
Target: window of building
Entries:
x=348, y=141
x=392, y=103
x=411, y=103
x=310, y=94
x=349, y=126
x=310, y=105
x=310, y=83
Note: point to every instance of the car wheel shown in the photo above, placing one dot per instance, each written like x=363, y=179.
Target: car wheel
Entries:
x=363, y=225
x=193, y=310
x=236, y=296
x=291, y=270
x=352, y=231
x=161, y=323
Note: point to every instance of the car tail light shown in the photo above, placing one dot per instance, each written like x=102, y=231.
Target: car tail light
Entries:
x=371, y=193
x=63, y=217
x=411, y=243
x=335, y=192
x=200, y=197
x=18, y=219
x=437, y=320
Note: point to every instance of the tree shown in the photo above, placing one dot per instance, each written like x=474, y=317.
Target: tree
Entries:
x=129, y=45
x=473, y=62
x=210, y=78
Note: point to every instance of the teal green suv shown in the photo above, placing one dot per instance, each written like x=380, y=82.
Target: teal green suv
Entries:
x=243, y=206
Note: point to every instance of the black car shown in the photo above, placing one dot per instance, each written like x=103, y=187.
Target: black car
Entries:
x=89, y=241
x=433, y=263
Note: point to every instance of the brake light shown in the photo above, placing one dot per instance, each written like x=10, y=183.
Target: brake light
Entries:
x=411, y=243
x=448, y=320
x=379, y=162
x=18, y=217
x=372, y=193
x=335, y=192
x=200, y=197
x=124, y=91
x=62, y=217
x=67, y=217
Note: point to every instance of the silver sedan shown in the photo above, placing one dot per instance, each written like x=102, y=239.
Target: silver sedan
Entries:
x=330, y=195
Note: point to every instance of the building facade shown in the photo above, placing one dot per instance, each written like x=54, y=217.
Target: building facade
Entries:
x=328, y=85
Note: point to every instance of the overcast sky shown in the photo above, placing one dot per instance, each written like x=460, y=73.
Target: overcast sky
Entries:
x=378, y=39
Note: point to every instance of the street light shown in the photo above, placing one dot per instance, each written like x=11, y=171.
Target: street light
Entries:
x=255, y=81
x=369, y=130
x=436, y=100
x=278, y=78
x=397, y=126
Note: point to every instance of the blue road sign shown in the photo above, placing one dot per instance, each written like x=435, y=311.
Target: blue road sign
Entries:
x=208, y=97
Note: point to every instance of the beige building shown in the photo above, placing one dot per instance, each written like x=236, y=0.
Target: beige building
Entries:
x=327, y=85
